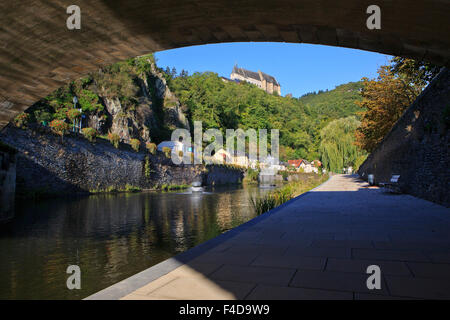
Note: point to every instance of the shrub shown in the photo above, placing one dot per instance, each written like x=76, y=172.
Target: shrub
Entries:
x=73, y=114
x=251, y=176
x=89, y=101
x=284, y=174
x=130, y=188
x=60, y=127
x=60, y=113
x=89, y=133
x=147, y=169
x=114, y=139
x=151, y=147
x=22, y=119
x=43, y=117
x=111, y=189
x=167, y=151
x=135, y=144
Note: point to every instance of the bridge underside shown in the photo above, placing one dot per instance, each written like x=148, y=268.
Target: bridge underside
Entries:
x=38, y=53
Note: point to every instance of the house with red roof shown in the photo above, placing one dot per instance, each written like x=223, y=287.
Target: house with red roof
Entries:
x=303, y=164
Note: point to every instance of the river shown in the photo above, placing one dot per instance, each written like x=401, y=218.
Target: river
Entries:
x=109, y=236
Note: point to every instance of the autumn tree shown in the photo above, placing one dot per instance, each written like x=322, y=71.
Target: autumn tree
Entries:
x=385, y=99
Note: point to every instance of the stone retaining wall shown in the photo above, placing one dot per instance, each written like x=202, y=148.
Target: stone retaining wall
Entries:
x=417, y=147
x=7, y=182
x=47, y=165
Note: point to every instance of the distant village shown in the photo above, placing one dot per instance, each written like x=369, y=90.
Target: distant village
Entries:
x=222, y=156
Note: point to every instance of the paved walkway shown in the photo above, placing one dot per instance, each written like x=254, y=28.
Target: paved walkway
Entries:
x=319, y=246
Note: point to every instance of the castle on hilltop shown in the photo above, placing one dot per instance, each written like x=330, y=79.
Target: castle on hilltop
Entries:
x=260, y=79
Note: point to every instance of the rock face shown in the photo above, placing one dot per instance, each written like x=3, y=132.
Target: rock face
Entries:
x=418, y=146
x=156, y=112
x=132, y=102
x=47, y=165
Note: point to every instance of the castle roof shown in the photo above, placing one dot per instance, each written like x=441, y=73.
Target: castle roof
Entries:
x=254, y=75
x=269, y=78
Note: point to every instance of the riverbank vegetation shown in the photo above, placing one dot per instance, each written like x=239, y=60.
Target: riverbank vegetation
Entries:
x=287, y=192
x=112, y=189
x=171, y=187
x=251, y=176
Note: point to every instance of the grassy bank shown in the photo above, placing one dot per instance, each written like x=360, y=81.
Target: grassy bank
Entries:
x=287, y=192
x=170, y=187
x=127, y=188
x=251, y=176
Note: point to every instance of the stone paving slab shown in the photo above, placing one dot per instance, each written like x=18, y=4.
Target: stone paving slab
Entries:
x=390, y=255
x=339, y=281
x=319, y=252
x=430, y=270
x=290, y=261
x=262, y=275
x=317, y=246
x=439, y=257
x=421, y=288
x=342, y=244
x=368, y=296
x=235, y=258
x=398, y=268
x=265, y=292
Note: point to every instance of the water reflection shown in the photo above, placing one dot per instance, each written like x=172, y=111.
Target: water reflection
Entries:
x=110, y=237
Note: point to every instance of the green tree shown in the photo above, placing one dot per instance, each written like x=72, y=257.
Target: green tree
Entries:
x=337, y=146
x=418, y=73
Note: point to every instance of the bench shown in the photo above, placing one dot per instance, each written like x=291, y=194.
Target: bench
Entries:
x=392, y=185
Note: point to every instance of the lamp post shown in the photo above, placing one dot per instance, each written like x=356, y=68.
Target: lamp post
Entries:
x=76, y=124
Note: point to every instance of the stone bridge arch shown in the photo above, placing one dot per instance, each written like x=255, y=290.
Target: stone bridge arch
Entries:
x=38, y=53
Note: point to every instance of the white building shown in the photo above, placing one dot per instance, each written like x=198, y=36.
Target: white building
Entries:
x=178, y=146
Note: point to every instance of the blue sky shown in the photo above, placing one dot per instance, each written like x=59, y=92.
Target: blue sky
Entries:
x=299, y=68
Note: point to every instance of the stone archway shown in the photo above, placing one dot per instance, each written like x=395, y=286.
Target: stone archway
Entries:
x=39, y=54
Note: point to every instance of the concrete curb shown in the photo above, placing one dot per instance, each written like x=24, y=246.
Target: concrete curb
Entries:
x=128, y=285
